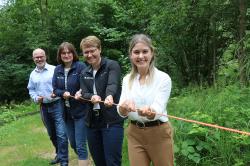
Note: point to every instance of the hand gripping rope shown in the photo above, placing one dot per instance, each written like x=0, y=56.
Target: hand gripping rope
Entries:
x=189, y=120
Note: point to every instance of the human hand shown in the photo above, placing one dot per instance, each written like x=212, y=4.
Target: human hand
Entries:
x=95, y=99
x=147, y=112
x=66, y=95
x=40, y=99
x=53, y=95
x=78, y=94
x=109, y=101
x=127, y=106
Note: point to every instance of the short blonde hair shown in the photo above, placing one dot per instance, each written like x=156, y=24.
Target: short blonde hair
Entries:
x=90, y=41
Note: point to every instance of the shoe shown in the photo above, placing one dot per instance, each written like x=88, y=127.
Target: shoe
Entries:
x=55, y=161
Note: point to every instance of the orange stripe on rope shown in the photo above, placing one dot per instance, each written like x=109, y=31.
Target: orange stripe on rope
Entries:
x=193, y=121
x=211, y=125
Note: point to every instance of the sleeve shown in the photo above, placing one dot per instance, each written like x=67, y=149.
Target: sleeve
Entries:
x=32, y=89
x=56, y=90
x=123, y=95
x=160, y=102
x=114, y=77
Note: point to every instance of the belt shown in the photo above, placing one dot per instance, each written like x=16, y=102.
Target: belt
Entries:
x=146, y=124
x=50, y=104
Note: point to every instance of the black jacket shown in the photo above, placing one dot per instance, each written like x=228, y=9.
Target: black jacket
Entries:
x=73, y=85
x=107, y=82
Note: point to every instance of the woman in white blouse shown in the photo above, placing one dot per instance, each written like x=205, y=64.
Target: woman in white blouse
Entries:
x=145, y=92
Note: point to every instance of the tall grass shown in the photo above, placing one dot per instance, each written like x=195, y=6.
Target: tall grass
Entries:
x=198, y=145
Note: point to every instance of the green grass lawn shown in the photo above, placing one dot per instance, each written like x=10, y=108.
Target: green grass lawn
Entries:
x=25, y=143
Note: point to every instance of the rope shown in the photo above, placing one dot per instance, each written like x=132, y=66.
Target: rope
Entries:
x=190, y=121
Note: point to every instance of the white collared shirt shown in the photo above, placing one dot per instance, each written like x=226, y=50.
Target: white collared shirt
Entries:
x=155, y=95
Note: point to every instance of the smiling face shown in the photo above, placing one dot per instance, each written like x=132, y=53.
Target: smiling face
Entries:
x=66, y=56
x=92, y=56
x=39, y=58
x=91, y=49
x=141, y=56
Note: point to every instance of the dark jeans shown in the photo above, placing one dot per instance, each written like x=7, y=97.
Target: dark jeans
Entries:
x=56, y=116
x=105, y=144
x=76, y=131
x=49, y=124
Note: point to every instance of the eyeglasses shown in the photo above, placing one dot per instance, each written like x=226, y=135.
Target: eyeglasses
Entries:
x=39, y=57
x=66, y=52
x=91, y=51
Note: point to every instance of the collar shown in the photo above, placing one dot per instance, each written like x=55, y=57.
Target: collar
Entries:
x=61, y=67
x=46, y=66
x=102, y=63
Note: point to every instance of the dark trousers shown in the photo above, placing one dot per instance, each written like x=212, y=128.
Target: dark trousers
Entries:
x=105, y=144
x=49, y=125
x=55, y=112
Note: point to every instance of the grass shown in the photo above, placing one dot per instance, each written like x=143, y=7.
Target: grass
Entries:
x=24, y=142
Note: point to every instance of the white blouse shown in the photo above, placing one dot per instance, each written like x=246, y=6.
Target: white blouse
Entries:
x=155, y=95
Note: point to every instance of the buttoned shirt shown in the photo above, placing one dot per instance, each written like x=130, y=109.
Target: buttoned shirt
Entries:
x=40, y=84
x=155, y=94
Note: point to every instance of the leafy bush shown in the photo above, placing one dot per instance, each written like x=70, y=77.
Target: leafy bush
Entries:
x=195, y=144
x=9, y=113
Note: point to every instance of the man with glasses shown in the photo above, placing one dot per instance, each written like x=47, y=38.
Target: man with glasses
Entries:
x=40, y=90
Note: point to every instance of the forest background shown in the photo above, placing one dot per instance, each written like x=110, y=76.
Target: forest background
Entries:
x=203, y=45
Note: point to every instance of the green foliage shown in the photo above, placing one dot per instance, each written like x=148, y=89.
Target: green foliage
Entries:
x=198, y=42
x=11, y=112
x=190, y=39
x=13, y=80
x=228, y=71
x=195, y=144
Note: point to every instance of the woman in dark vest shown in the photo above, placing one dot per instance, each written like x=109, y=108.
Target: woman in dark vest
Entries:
x=66, y=82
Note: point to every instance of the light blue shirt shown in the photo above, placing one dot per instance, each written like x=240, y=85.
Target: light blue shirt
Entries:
x=40, y=84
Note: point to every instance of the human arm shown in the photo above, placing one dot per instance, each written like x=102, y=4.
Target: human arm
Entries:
x=163, y=93
x=125, y=105
x=58, y=83
x=114, y=77
x=33, y=92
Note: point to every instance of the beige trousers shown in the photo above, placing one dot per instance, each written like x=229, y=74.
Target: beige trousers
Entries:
x=152, y=144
